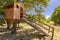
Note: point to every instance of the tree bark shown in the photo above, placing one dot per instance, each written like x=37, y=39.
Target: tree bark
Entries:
x=8, y=24
x=14, y=28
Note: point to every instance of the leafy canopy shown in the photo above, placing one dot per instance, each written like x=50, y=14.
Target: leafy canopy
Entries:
x=56, y=15
x=28, y=3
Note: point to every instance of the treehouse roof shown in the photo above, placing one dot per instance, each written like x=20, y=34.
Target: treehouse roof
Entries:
x=12, y=5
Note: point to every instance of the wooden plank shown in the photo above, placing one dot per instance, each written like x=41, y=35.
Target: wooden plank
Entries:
x=52, y=34
x=50, y=27
x=8, y=13
x=36, y=26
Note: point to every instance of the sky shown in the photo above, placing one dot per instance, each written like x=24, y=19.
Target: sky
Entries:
x=50, y=8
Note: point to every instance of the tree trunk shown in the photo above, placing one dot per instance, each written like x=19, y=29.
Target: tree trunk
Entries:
x=8, y=24
x=14, y=28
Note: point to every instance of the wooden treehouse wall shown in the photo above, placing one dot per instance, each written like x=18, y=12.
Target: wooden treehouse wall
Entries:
x=13, y=11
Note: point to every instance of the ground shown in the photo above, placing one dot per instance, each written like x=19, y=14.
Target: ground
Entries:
x=57, y=33
x=25, y=32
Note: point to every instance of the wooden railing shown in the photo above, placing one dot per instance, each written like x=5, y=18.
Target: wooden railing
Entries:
x=50, y=28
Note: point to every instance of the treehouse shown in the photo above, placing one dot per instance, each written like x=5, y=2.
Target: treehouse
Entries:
x=14, y=11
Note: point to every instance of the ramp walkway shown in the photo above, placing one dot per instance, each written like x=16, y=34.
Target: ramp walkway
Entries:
x=40, y=28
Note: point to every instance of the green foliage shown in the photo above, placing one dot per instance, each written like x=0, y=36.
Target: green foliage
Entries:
x=1, y=18
x=56, y=15
x=48, y=20
x=30, y=17
x=29, y=4
x=2, y=21
x=36, y=17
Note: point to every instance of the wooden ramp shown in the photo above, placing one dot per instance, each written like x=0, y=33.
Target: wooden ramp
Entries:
x=47, y=29
x=38, y=27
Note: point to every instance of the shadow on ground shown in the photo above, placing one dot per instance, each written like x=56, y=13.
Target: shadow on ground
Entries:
x=29, y=34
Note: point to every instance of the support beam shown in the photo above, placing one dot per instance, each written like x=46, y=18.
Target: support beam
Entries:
x=8, y=24
x=14, y=28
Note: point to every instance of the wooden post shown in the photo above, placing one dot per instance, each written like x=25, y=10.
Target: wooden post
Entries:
x=18, y=24
x=49, y=29
x=52, y=34
x=14, y=28
x=8, y=24
x=43, y=37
